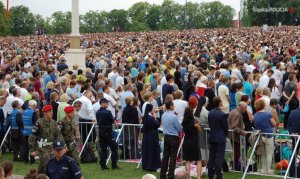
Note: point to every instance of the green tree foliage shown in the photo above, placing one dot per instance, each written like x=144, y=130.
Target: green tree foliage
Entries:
x=118, y=17
x=141, y=16
x=217, y=14
x=170, y=14
x=153, y=17
x=22, y=21
x=94, y=21
x=138, y=13
x=42, y=23
x=254, y=18
x=61, y=22
x=4, y=21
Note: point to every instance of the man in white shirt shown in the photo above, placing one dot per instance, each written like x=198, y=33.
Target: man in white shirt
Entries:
x=112, y=91
x=120, y=78
x=103, y=64
x=112, y=103
x=113, y=77
x=23, y=89
x=264, y=80
x=266, y=97
x=250, y=67
x=223, y=92
x=86, y=113
x=15, y=95
x=113, y=71
x=179, y=104
x=278, y=76
x=236, y=71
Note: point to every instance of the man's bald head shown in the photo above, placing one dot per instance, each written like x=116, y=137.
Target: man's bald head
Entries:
x=149, y=176
x=182, y=175
x=243, y=106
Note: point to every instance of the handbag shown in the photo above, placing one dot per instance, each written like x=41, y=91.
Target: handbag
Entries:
x=286, y=108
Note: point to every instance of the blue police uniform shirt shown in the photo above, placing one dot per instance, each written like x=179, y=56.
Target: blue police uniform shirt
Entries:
x=65, y=168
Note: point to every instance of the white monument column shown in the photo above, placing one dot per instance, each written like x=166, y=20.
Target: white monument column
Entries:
x=75, y=55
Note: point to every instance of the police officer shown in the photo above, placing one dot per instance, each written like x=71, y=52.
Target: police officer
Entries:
x=68, y=131
x=16, y=130
x=105, y=120
x=44, y=132
x=62, y=166
x=29, y=117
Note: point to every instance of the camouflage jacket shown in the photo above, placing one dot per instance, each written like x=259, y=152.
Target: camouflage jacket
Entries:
x=68, y=130
x=43, y=134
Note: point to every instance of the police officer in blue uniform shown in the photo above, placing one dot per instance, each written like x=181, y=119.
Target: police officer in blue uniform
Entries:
x=62, y=166
x=16, y=130
x=105, y=120
x=29, y=117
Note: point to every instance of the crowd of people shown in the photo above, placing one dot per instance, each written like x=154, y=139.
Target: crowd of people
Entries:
x=185, y=81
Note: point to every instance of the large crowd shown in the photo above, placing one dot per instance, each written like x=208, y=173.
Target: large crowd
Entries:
x=185, y=81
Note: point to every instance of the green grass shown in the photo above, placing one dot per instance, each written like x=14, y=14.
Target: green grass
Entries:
x=127, y=171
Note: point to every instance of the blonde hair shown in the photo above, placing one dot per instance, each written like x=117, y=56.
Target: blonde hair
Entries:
x=128, y=100
x=178, y=94
x=63, y=97
x=88, y=70
x=259, y=104
x=169, y=97
x=3, y=91
x=258, y=91
x=50, y=85
x=147, y=95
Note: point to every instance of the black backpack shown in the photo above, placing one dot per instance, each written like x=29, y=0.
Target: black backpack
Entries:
x=88, y=155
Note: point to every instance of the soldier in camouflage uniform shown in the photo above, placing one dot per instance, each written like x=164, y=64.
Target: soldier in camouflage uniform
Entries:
x=68, y=130
x=44, y=133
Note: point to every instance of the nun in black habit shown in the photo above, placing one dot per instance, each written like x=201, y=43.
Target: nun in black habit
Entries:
x=150, y=145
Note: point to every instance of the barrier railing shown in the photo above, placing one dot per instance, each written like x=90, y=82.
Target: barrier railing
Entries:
x=272, y=145
x=129, y=140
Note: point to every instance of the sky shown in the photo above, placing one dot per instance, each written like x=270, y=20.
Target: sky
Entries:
x=47, y=7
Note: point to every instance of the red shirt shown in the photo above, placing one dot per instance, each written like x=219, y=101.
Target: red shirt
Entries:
x=37, y=88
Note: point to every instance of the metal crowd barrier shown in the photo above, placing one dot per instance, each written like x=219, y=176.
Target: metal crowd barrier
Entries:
x=280, y=141
x=129, y=140
x=252, y=164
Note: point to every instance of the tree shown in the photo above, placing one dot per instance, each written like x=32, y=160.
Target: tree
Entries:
x=153, y=17
x=4, y=21
x=118, y=18
x=94, y=21
x=22, y=21
x=190, y=16
x=169, y=15
x=61, y=22
x=137, y=13
x=290, y=16
x=217, y=14
x=42, y=23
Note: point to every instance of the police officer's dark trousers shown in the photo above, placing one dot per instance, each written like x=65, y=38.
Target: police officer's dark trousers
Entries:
x=108, y=141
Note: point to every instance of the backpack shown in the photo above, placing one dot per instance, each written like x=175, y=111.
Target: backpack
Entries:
x=88, y=155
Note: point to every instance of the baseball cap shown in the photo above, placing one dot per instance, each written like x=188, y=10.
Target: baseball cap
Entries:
x=58, y=144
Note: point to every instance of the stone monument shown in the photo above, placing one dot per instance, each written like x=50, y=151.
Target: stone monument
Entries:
x=75, y=55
